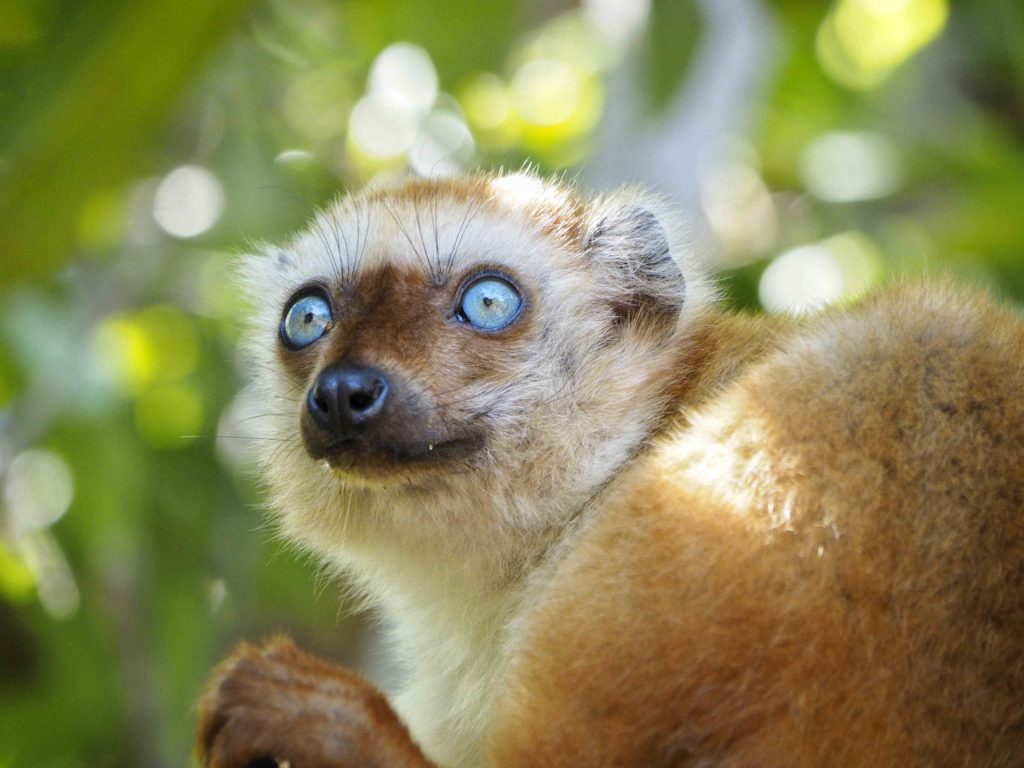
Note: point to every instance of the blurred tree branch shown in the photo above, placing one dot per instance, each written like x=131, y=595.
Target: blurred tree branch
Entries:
x=734, y=56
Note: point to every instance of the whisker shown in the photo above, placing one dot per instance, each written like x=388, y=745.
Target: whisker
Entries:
x=433, y=271
x=294, y=196
x=317, y=229
x=339, y=232
x=264, y=416
x=405, y=233
x=437, y=243
x=365, y=237
x=557, y=395
x=491, y=392
x=472, y=211
x=257, y=438
x=284, y=450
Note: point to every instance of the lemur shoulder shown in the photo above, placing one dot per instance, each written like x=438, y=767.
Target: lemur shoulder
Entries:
x=612, y=524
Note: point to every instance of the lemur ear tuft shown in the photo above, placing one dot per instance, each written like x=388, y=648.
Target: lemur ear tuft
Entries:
x=631, y=244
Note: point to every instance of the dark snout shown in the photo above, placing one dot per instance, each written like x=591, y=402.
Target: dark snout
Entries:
x=365, y=421
x=345, y=400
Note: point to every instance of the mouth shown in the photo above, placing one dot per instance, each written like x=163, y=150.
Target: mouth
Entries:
x=362, y=457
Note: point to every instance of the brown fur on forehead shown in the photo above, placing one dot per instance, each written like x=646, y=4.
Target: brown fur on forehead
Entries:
x=419, y=190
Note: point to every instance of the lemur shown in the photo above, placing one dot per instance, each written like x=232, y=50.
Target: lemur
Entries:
x=610, y=523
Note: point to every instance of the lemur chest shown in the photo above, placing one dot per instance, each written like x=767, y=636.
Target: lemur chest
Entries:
x=448, y=703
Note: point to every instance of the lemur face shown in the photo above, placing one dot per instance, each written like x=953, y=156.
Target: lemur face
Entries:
x=441, y=329
x=402, y=366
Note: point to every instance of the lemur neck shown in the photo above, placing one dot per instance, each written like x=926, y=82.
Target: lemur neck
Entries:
x=720, y=350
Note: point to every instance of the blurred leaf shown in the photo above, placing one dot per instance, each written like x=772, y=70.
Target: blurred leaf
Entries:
x=87, y=129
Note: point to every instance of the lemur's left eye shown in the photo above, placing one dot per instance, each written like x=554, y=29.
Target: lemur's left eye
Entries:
x=490, y=303
x=306, y=320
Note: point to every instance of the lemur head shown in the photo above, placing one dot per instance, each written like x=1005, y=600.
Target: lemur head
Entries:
x=453, y=354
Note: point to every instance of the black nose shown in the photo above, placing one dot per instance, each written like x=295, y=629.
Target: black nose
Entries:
x=346, y=397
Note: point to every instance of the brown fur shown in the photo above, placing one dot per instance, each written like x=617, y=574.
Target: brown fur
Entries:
x=810, y=554
x=262, y=700
x=427, y=191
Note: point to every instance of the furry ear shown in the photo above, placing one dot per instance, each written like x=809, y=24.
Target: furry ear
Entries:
x=629, y=242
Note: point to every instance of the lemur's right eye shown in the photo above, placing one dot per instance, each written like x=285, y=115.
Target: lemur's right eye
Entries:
x=490, y=303
x=307, y=319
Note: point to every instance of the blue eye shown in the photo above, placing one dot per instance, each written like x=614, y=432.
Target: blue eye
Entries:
x=306, y=320
x=490, y=304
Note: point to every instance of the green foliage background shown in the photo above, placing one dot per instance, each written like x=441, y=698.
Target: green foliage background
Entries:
x=118, y=339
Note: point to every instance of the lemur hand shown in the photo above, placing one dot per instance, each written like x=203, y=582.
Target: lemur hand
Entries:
x=276, y=707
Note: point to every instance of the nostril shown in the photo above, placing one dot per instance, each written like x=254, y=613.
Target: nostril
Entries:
x=361, y=400
x=318, y=405
x=364, y=399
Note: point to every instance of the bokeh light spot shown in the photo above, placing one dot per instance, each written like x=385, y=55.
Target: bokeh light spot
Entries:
x=860, y=260
x=382, y=129
x=123, y=355
x=739, y=209
x=801, y=280
x=158, y=344
x=38, y=491
x=188, y=201
x=573, y=39
x=218, y=595
x=444, y=146
x=619, y=21
x=404, y=73
x=843, y=167
x=486, y=102
x=861, y=42
x=17, y=583
x=295, y=157
x=545, y=91
x=812, y=276
x=55, y=583
x=556, y=104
